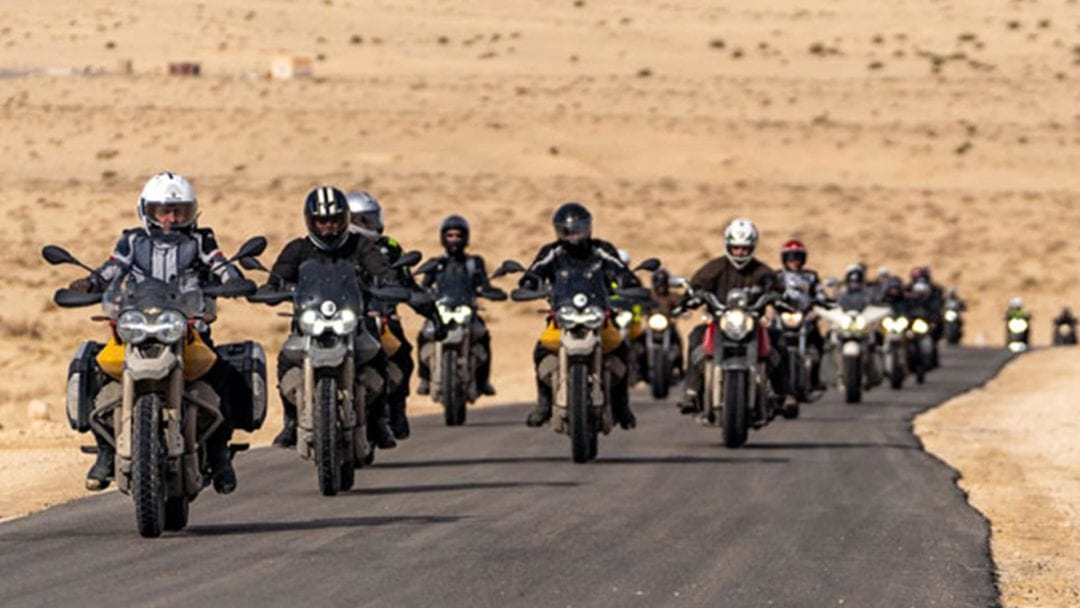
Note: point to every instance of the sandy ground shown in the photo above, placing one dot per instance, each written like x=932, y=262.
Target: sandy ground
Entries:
x=1015, y=445
x=896, y=133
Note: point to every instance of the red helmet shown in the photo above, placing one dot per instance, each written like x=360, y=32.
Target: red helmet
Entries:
x=919, y=272
x=793, y=250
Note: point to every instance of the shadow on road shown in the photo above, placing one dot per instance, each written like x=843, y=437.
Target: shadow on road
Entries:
x=689, y=460
x=455, y=487
x=463, y=462
x=829, y=446
x=314, y=524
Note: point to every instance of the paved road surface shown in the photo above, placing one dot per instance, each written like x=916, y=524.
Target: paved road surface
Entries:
x=840, y=507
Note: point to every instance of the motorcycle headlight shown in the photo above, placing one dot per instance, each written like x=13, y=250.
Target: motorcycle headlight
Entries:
x=791, y=320
x=1018, y=326
x=951, y=315
x=591, y=317
x=624, y=318
x=896, y=325
x=736, y=324
x=344, y=323
x=308, y=321
x=169, y=327
x=131, y=327
x=658, y=323
x=457, y=314
x=853, y=323
x=920, y=326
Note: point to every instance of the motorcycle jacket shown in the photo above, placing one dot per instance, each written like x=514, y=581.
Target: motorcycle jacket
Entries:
x=371, y=267
x=720, y=276
x=593, y=254
x=462, y=267
x=142, y=255
x=800, y=286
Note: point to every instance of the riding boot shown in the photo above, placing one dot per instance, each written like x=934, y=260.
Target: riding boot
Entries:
x=542, y=412
x=287, y=437
x=378, y=427
x=221, y=469
x=101, y=473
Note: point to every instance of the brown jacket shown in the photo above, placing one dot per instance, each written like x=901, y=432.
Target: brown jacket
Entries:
x=720, y=276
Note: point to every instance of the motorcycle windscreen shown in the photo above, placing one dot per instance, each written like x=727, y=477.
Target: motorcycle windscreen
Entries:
x=327, y=281
x=454, y=287
x=571, y=283
x=148, y=295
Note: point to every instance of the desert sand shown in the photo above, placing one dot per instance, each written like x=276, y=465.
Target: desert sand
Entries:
x=1014, y=443
x=895, y=133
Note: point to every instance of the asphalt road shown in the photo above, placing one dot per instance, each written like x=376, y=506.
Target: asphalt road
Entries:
x=839, y=507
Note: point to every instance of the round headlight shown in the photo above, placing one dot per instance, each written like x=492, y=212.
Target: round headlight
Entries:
x=328, y=308
x=624, y=318
x=736, y=324
x=170, y=327
x=791, y=320
x=346, y=322
x=951, y=315
x=1018, y=326
x=131, y=327
x=580, y=300
x=920, y=326
x=308, y=320
x=658, y=322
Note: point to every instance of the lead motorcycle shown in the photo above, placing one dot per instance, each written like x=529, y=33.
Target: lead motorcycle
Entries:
x=331, y=399
x=738, y=395
x=152, y=405
x=580, y=334
x=854, y=347
x=454, y=359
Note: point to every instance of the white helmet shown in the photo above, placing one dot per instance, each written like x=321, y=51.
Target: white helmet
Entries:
x=740, y=233
x=624, y=255
x=1016, y=303
x=366, y=213
x=168, y=192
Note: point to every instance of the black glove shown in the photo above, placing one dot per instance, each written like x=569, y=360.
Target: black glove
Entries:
x=83, y=285
x=439, y=330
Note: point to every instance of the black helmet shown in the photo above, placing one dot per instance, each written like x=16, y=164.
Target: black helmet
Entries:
x=366, y=212
x=661, y=280
x=573, y=223
x=894, y=287
x=454, y=222
x=326, y=213
x=855, y=274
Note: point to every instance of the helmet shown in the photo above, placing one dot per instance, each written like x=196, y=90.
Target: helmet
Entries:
x=740, y=233
x=454, y=222
x=661, y=280
x=918, y=272
x=366, y=213
x=793, y=250
x=573, y=224
x=1016, y=303
x=167, y=193
x=624, y=256
x=883, y=272
x=855, y=273
x=326, y=213
x=894, y=287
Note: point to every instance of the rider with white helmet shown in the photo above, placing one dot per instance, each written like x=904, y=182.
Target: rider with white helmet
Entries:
x=737, y=268
x=167, y=247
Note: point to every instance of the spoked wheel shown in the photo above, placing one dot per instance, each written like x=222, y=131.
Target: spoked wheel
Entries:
x=148, y=466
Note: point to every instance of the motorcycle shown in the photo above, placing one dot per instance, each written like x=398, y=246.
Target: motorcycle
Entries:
x=661, y=353
x=738, y=395
x=895, y=348
x=153, y=406
x=921, y=348
x=853, y=344
x=628, y=320
x=580, y=333
x=454, y=359
x=1017, y=333
x=794, y=323
x=331, y=400
x=1064, y=334
x=954, y=322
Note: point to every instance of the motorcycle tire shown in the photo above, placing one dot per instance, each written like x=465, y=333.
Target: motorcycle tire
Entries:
x=327, y=451
x=852, y=379
x=736, y=409
x=659, y=374
x=581, y=432
x=453, y=394
x=148, y=466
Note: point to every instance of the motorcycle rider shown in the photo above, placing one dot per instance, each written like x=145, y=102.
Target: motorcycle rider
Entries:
x=664, y=301
x=170, y=245
x=327, y=216
x=795, y=276
x=367, y=219
x=575, y=247
x=854, y=296
x=737, y=268
x=1065, y=318
x=457, y=265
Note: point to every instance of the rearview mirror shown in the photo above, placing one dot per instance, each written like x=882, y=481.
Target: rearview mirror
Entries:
x=650, y=264
x=428, y=267
x=507, y=267
x=251, y=248
x=252, y=264
x=411, y=258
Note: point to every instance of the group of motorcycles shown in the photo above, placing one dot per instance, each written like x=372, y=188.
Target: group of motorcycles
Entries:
x=158, y=410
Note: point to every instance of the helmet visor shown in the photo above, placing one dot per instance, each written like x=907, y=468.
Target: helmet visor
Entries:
x=327, y=227
x=171, y=215
x=574, y=232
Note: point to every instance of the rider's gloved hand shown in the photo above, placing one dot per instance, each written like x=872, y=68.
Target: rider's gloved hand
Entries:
x=438, y=328
x=83, y=285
